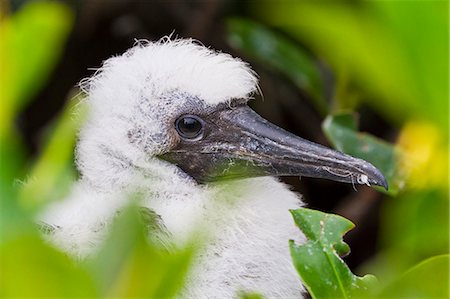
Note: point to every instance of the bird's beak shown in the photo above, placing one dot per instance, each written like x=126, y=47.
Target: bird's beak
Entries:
x=239, y=143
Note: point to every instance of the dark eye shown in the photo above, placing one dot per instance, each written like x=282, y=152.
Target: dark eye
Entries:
x=189, y=127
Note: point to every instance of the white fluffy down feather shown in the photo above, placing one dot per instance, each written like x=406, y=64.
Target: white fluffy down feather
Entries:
x=132, y=101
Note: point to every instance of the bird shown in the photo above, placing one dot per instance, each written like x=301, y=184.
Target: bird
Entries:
x=170, y=119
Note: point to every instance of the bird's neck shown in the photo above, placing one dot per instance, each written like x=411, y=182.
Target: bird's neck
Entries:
x=246, y=224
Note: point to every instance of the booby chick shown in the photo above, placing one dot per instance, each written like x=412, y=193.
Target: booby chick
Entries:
x=170, y=119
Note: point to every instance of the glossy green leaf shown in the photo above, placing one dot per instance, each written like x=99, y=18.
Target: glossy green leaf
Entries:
x=340, y=130
x=318, y=260
x=132, y=265
x=429, y=279
x=280, y=54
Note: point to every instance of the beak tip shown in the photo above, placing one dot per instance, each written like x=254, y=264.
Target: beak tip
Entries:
x=384, y=184
x=379, y=179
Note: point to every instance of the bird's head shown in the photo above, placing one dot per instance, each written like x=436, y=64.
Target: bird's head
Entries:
x=181, y=104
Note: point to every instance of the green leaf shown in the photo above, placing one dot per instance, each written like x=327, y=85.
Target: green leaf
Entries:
x=318, y=261
x=429, y=279
x=32, y=269
x=132, y=265
x=31, y=42
x=245, y=295
x=52, y=174
x=414, y=225
x=341, y=131
x=280, y=54
x=43, y=27
x=12, y=156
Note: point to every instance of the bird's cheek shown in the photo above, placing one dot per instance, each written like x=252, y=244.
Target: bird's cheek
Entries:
x=173, y=139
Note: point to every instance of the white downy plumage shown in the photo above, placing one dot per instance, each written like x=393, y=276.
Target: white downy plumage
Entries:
x=133, y=101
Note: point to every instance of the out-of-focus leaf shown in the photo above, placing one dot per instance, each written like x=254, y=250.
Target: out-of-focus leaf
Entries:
x=128, y=265
x=414, y=225
x=429, y=279
x=340, y=130
x=13, y=221
x=12, y=158
x=318, y=261
x=395, y=50
x=29, y=44
x=251, y=296
x=425, y=155
x=422, y=30
x=32, y=269
x=280, y=54
x=53, y=172
x=31, y=41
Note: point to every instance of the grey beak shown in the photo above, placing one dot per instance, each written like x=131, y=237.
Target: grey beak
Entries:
x=239, y=143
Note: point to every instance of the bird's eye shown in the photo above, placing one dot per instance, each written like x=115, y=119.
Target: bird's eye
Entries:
x=189, y=127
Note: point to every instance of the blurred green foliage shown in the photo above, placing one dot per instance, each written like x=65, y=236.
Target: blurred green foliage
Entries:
x=30, y=44
x=128, y=266
x=426, y=280
x=395, y=51
x=390, y=55
x=52, y=175
x=31, y=41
